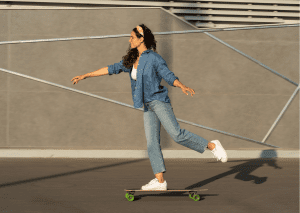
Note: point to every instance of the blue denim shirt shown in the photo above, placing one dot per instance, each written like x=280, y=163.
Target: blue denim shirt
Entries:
x=151, y=69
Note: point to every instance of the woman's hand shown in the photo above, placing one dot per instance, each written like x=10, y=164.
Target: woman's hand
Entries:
x=77, y=78
x=185, y=89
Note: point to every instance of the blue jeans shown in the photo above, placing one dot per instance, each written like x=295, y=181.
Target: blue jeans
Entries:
x=161, y=112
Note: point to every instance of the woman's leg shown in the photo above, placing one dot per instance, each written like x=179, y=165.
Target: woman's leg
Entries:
x=165, y=114
x=160, y=177
x=152, y=131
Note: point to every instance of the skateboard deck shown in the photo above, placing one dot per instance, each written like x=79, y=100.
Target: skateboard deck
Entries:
x=192, y=192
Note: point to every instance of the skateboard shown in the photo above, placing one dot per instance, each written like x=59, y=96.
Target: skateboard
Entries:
x=192, y=193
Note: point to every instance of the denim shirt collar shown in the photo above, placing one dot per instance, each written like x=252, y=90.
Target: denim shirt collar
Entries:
x=147, y=51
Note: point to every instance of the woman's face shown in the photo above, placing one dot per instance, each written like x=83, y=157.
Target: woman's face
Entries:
x=134, y=41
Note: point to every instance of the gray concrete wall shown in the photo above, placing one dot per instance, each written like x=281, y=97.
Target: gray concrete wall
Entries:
x=233, y=94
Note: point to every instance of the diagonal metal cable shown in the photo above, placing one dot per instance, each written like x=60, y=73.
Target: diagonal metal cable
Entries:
x=127, y=105
x=249, y=57
x=281, y=113
x=155, y=33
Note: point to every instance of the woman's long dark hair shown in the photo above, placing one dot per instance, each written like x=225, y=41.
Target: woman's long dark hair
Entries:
x=132, y=54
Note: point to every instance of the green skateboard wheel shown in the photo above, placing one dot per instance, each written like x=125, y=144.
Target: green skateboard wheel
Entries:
x=191, y=196
x=126, y=195
x=196, y=197
x=130, y=197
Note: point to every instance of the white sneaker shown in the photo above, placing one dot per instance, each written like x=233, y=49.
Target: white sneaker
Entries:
x=219, y=152
x=155, y=185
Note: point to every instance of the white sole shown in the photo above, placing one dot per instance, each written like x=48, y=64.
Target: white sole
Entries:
x=163, y=188
x=156, y=189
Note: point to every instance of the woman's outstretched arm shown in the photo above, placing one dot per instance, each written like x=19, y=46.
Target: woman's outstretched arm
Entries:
x=102, y=71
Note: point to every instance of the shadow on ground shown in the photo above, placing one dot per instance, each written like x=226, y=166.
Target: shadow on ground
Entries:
x=68, y=173
x=243, y=170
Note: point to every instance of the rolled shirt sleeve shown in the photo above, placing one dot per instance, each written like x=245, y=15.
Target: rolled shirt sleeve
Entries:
x=117, y=68
x=164, y=71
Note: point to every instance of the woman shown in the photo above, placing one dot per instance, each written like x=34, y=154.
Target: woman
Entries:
x=146, y=69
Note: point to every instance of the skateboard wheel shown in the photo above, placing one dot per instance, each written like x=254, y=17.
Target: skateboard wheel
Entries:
x=130, y=197
x=126, y=195
x=192, y=195
x=196, y=197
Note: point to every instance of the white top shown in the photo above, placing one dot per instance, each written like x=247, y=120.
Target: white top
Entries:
x=133, y=73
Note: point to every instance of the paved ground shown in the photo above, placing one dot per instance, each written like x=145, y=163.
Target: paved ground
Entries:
x=97, y=185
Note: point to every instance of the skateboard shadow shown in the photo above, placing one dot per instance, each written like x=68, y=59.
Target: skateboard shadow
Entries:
x=242, y=171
